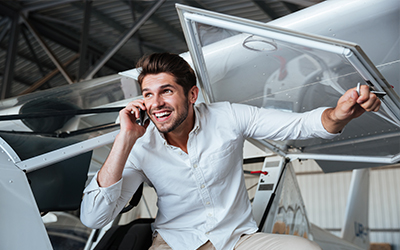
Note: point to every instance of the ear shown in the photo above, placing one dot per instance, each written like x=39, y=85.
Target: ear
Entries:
x=193, y=94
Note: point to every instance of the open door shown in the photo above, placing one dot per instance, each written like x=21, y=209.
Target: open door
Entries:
x=243, y=61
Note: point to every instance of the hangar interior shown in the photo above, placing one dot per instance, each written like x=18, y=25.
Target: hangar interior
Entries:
x=47, y=44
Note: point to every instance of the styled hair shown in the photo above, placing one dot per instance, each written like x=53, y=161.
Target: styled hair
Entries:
x=168, y=63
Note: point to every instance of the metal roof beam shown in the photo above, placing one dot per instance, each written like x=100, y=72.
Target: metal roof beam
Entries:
x=45, y=5
x=48, y=19
x=111, y=51
x=28, y=57
x=11, y=57
x=69, y=39
x=291, y=6
x=264, y=6
x=163, y=24
x=35, y=58
x=4, y=31
x=149, y=45
x=103, y=18
x=4, y=21
x=303, y=3
x=46, y=78
x=137, y=38
x=19, y=79
x=84, y=40
x=140, y=43
x=47, y=50
x=115, y=25
x=9, y=8
x=195, y=4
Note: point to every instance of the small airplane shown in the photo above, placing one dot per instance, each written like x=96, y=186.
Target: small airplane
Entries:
x=53, y=140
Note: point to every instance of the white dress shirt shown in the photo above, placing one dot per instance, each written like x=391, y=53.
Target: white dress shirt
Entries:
x=202, y=194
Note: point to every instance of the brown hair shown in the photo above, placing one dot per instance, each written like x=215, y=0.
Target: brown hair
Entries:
x=168, y=63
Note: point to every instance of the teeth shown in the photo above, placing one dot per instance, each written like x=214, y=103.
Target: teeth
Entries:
x=158, y=115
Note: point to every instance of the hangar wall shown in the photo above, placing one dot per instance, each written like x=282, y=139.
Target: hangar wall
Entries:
x=325, y=197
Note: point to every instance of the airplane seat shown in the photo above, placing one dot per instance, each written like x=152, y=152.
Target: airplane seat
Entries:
x=136, y=235
x=57, y=187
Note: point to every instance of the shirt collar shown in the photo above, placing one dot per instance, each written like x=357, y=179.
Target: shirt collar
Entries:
x=196, y=126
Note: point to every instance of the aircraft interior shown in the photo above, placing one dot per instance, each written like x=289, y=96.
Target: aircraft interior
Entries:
x=53, y=141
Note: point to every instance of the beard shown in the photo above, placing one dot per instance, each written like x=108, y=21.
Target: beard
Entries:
x=176, y=122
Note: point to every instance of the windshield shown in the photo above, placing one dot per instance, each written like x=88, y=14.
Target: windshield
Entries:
x=252, y=63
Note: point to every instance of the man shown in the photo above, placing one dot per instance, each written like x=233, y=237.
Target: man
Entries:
x=192, y=156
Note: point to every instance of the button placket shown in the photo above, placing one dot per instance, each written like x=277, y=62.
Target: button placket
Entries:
x=203, y=190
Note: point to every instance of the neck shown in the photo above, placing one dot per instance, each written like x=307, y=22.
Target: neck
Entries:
x=179, y=136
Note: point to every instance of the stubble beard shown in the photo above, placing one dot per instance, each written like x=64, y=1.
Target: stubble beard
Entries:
x=176, y=122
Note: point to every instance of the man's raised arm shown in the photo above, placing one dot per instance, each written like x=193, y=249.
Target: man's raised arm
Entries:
x=106, y=194
x=111, y=171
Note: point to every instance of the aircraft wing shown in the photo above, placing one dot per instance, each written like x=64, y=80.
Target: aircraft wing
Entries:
x=49, y=139
x=243, y=61
x=56, y=118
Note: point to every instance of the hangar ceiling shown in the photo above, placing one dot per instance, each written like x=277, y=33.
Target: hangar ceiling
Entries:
x=45, y=44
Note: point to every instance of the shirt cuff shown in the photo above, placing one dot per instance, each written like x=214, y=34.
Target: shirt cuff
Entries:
x=110, y=193
x=320, y=129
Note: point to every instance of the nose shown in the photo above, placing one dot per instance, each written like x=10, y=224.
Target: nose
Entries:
x=157, y=102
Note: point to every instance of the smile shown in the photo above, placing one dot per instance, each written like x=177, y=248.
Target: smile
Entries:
x=162, y=116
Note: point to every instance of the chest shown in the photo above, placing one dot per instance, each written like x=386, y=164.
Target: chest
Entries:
x=211, y=159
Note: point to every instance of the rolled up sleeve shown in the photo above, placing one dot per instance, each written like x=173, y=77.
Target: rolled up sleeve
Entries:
x=100, y=205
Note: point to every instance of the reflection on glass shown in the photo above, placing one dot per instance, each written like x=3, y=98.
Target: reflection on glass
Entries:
x=284, y=72
x=108, y=91
x=66, y=231
x=287, y=214
x=259, y=44
x=269, y=73
x=51, y=132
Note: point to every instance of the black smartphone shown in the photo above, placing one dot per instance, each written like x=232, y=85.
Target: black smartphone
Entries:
x=142, y=117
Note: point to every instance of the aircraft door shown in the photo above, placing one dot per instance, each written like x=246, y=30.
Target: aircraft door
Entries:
x=249, y=62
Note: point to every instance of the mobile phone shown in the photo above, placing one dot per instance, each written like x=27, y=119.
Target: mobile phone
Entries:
x=142, y=117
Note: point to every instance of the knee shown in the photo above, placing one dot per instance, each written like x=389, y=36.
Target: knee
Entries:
x=280, y=242
x=299, y=243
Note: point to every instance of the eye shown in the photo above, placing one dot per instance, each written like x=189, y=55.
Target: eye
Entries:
x=167, y=91
x=147, y=95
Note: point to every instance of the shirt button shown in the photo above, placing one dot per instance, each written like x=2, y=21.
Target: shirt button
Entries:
x=195, y=165
x=207, y=203
x=202, y=186
x=208, y=233
x=210, y=215
x=180, y=153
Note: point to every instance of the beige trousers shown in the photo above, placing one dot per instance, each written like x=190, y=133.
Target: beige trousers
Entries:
x=257, y=241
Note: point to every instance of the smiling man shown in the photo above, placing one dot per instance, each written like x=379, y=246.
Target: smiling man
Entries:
x=168, y=106
x=192, y=156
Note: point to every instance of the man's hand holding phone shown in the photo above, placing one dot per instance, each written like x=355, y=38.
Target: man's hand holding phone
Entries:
x=142, y=117
x=130, y=131
x=130, y=117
